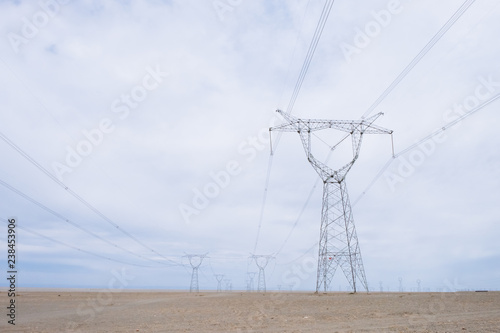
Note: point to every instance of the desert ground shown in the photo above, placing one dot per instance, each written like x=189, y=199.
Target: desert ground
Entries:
x=160, y=311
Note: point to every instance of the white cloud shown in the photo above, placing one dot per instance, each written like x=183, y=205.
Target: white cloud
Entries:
x=225, y=79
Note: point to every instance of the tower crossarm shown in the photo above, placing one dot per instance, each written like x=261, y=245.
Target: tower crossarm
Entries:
x=354, y=128
x=195, y=260
x=349, y=126
x=367, y=126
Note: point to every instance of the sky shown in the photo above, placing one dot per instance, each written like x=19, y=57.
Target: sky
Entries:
x=142, y=129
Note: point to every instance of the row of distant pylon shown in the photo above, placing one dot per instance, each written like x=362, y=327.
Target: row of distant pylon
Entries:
x=195, y=260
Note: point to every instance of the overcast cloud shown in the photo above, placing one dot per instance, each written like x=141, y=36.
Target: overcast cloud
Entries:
x=157, y=114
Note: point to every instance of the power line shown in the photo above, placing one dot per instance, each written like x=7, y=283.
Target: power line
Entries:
x=306, y=203
x=380, y=173
x=310, y=53
x=424, y=139
x=396, y=156
x=294, y=51
x=465, y=6
x=73, y=247
x=76, y=225
x=264, y=200
x=301, y=256
x=44, y=107
x=298, y=85
x=420, y=55
x=76, y=196
x=325, y=13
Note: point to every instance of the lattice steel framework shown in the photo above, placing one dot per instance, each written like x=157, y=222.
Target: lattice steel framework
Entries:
x=229, y=285
x=219, y=278
x=261, y=261
x=195, y=261
x=251, y=276
x=338, y=241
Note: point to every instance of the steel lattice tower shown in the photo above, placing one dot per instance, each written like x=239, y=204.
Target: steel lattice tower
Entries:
x=229, y=285
x=195, y=265
x=251, y=276
x=219, y=278
x=261, y=261
x=338, y=241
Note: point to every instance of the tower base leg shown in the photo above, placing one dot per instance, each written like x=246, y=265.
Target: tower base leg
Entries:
x=338, y=245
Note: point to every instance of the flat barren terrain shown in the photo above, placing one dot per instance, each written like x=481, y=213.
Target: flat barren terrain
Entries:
x=125, y=311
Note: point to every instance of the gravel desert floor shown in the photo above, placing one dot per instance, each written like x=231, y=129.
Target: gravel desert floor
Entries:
x=126, y=311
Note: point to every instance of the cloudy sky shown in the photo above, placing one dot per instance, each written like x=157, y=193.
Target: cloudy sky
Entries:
x=142, y=136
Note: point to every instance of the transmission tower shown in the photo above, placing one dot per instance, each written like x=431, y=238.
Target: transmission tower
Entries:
x=338, y=241
x=195, y=261
x=219, y=278
x=229, y=285
x=251, y=276
x=261, y=261
x=401, y=289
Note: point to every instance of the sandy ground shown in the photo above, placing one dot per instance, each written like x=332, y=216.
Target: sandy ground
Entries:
x=253, y=312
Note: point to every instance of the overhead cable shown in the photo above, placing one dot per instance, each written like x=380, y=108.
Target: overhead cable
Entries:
x=76, y=225
x=71, y=246
x=78, y=197
x=420, y=55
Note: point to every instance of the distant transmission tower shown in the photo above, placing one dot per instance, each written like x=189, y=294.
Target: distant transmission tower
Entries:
x=418, y=285
x=401, y=289
x=338, y=241
x=261, y=261
x=219, y=278
x=195, y=261
x=251, y=276
x=229, y=285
